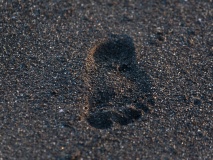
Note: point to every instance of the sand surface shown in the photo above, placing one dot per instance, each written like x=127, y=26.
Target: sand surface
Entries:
x=106, y=79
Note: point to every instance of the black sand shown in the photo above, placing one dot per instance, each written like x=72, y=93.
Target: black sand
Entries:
x=106, y=79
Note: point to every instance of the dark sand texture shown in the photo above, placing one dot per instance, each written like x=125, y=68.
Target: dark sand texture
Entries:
x=126, y=79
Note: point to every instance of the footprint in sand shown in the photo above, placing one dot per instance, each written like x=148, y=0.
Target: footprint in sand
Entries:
x=118, y=91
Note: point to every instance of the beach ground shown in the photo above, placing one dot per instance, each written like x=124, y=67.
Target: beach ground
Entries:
x=106, y=79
